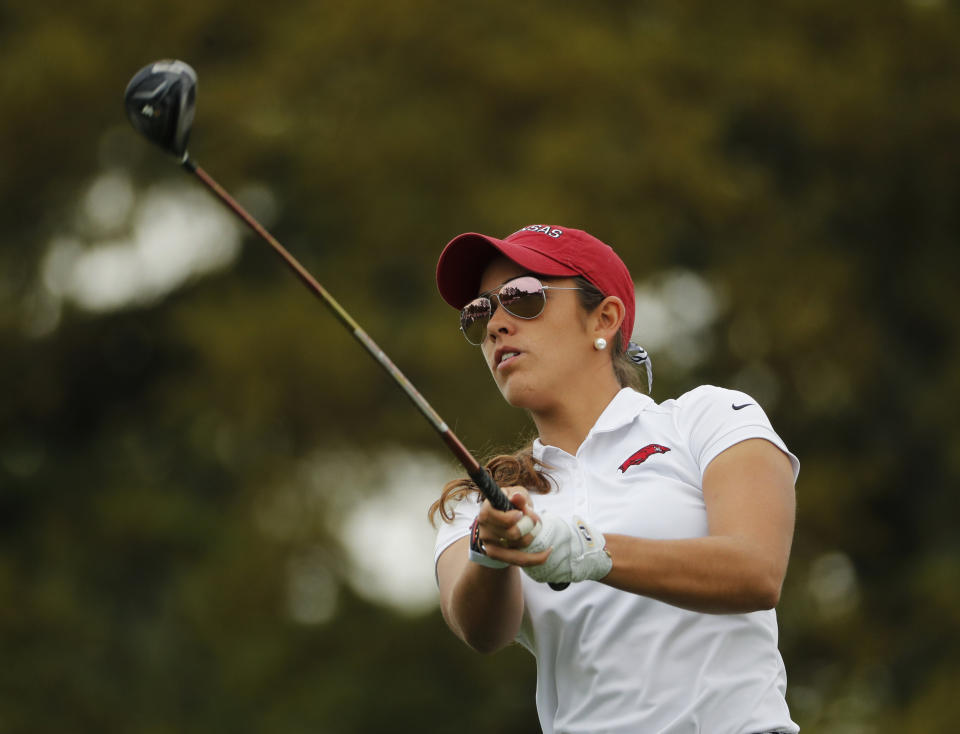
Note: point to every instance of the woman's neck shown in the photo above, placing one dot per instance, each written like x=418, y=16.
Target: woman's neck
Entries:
x=566, y=424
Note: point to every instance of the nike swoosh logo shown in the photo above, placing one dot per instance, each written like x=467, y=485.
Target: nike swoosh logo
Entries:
x=741, y=407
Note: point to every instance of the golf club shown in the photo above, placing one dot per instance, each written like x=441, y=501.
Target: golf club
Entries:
x=160, y=101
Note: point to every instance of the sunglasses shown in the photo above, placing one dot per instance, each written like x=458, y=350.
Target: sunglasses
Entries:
x=523, y=297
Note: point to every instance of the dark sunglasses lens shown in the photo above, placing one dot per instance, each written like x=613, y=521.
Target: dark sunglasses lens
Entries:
x=523, y=297
x=474, y=318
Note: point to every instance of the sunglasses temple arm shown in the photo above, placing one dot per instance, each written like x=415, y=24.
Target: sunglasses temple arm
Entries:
x=477, y=473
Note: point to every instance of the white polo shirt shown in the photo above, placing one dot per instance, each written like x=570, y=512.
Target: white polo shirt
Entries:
x=612, y=662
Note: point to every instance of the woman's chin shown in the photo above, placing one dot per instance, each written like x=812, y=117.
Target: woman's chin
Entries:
x=525, y=397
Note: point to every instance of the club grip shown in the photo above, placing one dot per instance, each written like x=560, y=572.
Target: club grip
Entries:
x=490, y=489
x=500, y=501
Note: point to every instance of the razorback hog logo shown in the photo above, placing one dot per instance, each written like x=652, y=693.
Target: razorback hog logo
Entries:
x=642, y=455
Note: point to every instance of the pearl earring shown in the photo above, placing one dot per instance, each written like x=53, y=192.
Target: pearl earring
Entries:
x=599, y=343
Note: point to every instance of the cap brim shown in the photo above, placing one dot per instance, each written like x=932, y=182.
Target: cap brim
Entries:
x=464, y=259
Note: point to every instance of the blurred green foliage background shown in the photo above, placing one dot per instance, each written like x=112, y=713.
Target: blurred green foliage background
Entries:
x=185, y=448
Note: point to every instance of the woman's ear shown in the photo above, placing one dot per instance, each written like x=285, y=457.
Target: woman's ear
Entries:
x=607, y=317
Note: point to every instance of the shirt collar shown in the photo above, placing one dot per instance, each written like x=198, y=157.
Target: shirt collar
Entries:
x=621, y=411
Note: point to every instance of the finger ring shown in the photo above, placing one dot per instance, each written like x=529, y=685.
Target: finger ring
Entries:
x=504, y=542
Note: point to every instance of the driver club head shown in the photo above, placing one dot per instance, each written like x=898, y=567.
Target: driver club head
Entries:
x=160, y=102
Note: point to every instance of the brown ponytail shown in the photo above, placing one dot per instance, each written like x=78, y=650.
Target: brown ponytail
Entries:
x=519, y=469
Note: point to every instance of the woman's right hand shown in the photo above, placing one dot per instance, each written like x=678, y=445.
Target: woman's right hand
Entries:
x=505, y=534
x=482, y=605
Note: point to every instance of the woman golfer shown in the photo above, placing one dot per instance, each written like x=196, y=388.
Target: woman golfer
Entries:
x=666, y=525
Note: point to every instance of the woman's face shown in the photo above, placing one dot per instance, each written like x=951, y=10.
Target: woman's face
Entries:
x=535, y=362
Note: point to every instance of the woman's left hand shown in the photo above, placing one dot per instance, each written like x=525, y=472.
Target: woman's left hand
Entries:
x=577, y=552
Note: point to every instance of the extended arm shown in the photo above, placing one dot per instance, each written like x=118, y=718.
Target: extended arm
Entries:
x=484, y=606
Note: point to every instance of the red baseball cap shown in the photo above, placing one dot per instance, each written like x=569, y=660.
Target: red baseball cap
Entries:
x=543, y=249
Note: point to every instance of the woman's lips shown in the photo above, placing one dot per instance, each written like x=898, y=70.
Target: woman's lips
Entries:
x=505, y=356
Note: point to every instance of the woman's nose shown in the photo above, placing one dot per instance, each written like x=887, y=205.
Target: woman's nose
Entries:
x=499, y=323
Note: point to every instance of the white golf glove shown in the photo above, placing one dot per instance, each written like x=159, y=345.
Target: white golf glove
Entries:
x=578, y=551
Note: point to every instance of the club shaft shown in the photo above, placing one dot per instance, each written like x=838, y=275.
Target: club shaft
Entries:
x=479, y=475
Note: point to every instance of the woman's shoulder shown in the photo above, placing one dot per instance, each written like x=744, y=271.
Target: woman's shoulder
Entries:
x=708, y=392
x=705, y=397
x=712, y=407
x=704, y=407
